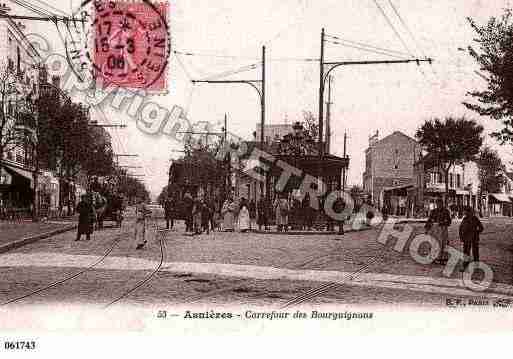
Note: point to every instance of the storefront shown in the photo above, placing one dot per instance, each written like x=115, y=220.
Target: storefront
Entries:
x=395, y=200
x=500, y=204
x=16, y=189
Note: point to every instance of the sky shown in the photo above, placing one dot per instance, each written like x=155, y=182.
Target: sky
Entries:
x=229, y=34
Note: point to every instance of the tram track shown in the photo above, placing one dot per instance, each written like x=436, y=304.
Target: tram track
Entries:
x=161, y=234
x=115, y=243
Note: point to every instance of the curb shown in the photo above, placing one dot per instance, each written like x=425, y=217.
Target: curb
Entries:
x=313, y=233
x=27, y=240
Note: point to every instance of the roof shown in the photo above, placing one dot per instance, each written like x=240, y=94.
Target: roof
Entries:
x=501, y=197
x=395, y=133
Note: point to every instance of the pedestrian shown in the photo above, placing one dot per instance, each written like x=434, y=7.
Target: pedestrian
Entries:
x=86, y=217
x=438, y=224
x=308, y=212
x=263, y=213
x=281, y=208
x=338, y=207
x=470, y=228
x=100, y=205
x=169, y=212
x=188, y=204
x=296, y=214
x=206, y=215
x=196, y=215
x=142, y=213
x=244, y=218
x=252, y=213
x=228, y=212
x=216, y=215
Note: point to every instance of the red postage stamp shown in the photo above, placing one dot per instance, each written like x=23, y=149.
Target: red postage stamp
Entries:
x=130, y=44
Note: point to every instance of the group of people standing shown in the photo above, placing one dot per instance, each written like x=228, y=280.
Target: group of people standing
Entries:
x=203, y=214
x=470, y=228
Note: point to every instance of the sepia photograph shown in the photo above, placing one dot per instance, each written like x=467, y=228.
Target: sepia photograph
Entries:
x=192, y=167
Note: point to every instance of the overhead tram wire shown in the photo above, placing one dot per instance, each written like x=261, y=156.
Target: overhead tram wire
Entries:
x=394, y=29
x=367, y=45
x=52, y=7
x=412, y=35
x=365, y=49
x=403, y=22
x=31, y=8
x=284, y=59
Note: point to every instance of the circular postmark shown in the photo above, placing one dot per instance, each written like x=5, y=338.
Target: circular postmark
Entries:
x=125, y=43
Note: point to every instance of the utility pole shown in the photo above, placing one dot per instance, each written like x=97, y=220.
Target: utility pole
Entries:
x=344, y=174
x=262, y=99
x=330, y=66
x=225, y=128
x=258, y=85
x=328, y=116
x=321, y=95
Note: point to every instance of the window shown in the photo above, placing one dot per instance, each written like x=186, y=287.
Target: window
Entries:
x=451, y=180
x=458, y=180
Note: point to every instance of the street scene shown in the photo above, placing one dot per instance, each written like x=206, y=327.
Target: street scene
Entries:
x=148, y=161
x=242, y=269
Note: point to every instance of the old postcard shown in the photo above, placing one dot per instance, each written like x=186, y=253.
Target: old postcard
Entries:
x=193, y=167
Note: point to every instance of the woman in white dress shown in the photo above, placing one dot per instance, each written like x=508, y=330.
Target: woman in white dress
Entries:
x=228, y=212
x=244, y=219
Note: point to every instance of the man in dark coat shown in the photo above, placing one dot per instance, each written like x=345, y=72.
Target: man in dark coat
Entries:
x=86, y=217
x=252, y=212
x=470, y=228
x=308, y=213
x=169, y=212
x=188, y=204
x=338, y=207
x=263, y=211
x=438, y=224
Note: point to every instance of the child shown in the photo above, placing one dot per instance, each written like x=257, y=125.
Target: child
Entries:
x=470, y=228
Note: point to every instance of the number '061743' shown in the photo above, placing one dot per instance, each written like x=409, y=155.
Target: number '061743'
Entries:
x=21, y=345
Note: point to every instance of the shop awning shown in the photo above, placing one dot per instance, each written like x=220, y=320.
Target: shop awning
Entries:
x=406, y=186
x=19, y=171
x=501, y=197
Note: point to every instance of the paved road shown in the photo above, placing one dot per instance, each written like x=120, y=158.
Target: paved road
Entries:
x=226, y=269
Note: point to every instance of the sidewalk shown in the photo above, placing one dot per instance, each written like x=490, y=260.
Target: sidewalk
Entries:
x=16, y=234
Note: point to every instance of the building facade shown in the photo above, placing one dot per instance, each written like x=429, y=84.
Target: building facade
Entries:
x=273, y=133
x=20, y=72
x=389, y=165
x=430, y=185
x=501, y=203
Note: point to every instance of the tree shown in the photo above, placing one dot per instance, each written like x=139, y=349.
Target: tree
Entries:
x=449, y=142
x=311, y=125
x=494, y=54
x=491, y=171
